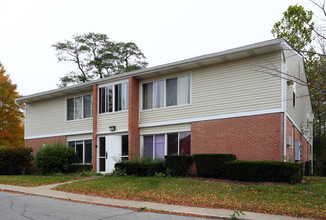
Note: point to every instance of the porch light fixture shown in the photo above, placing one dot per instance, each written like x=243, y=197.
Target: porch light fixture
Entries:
x=112, y=128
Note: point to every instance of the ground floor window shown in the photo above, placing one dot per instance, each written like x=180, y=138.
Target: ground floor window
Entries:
x=159, y=145
x=124, y=147
x=83, y=150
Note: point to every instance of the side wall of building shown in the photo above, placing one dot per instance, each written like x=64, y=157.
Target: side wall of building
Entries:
x=300, y=112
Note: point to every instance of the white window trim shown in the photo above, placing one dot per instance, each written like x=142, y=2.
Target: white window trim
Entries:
x=73, y=97
x=164, y=95
x=113, y=96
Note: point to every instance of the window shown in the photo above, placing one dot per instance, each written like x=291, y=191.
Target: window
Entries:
x=114, y=98
x=177, y=143
x=184, y=90
x=293, y=93
x=169, y=92
x=148, y=96
x=80, y=107
x=159, y=94
x=124, y=144
x=83, y=150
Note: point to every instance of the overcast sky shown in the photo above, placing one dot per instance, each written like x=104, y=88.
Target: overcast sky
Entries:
x=166, y=31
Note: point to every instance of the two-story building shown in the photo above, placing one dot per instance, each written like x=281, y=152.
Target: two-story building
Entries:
x=250, y=101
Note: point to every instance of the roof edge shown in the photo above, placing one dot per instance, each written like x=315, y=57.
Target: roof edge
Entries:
x=158, y=67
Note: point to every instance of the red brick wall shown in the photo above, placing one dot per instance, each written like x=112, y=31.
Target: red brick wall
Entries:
x=94, y=127
x=249, y=138
x=289, y=148
x=38, y=142
x=292, y=131
x=133, y=125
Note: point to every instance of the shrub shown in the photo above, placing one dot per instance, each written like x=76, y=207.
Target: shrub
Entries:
x=53, y=158
x=264, y=171
x=14, y=160
x=212, y=165
x=140, y=167
x=77, y=168
x=178, y=165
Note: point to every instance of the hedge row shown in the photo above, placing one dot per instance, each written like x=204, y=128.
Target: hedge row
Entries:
x=264, y=171
x=14, y=160
x=140, y=168
x=212, y=165
x=218, y=166
x=178, y=165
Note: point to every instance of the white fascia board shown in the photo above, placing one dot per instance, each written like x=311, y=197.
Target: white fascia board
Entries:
x=59, y=134
x=213, y=117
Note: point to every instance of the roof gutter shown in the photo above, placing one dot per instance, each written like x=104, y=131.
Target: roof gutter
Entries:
x=19, y=105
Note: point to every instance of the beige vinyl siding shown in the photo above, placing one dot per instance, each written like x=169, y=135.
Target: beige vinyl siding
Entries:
x=117, y=119
x=295, y=67
x=165, y=129
x=226, y=88
x=49, y=118
x=79, y=137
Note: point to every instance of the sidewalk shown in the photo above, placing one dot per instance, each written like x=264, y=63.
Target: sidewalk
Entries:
x=210, y=212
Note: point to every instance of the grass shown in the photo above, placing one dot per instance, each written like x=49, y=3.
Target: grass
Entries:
x=36, y=180
x=301, y=200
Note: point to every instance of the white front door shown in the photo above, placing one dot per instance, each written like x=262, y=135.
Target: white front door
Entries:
x=109, y=153
x=113, y=146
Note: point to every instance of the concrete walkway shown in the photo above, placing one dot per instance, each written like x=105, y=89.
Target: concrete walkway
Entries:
x=209, y=212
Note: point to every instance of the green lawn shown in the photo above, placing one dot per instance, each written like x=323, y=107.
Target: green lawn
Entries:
x=35, y=180
x=301, y=200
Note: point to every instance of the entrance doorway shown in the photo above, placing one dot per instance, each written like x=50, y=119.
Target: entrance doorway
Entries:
x=111, y=149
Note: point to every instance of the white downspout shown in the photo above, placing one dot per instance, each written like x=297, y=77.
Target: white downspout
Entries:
x=283, y=81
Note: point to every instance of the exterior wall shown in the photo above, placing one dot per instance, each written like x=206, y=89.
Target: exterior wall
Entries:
x=118, y=119
x=231, y=87
x=249, y=138
x=37, y=143
x=297, y=135
x=290, y=148
x=133, y=117
x=80, y=137
x=165, y=129
x=302, y=109
x=49, y=118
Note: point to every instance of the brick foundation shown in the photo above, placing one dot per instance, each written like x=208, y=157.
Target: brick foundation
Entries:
x=249, y=138
x=37, y=143
x=133, y=125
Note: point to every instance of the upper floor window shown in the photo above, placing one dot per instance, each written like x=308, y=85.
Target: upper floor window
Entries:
x=114, y=98
x=294, y=94
x=169, y=92
x=80, y=107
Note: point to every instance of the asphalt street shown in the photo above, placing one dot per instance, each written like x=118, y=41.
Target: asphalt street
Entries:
x=15, y=206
